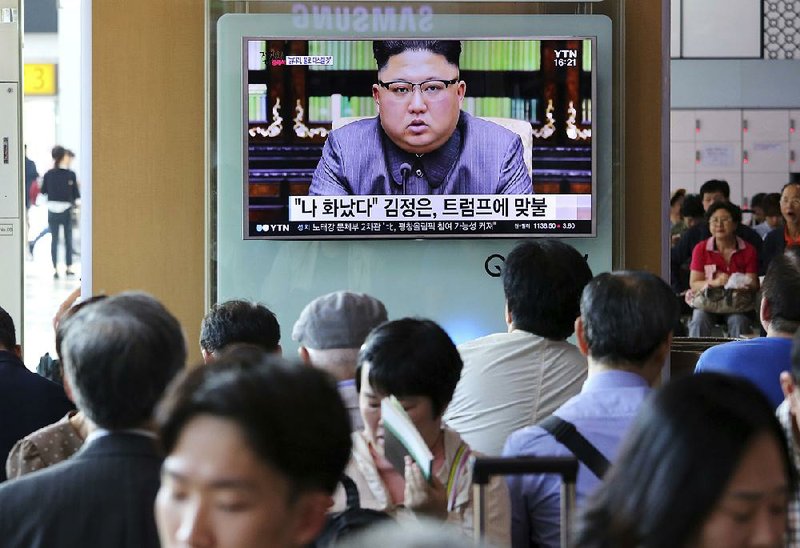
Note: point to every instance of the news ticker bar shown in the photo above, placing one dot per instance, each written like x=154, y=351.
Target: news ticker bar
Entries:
x=418, y=229
x=464, y=207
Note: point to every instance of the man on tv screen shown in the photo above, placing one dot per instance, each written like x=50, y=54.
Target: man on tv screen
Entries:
x=421, y=142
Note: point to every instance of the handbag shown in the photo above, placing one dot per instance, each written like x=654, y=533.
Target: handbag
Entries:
x=33, y=192
x=718, y=300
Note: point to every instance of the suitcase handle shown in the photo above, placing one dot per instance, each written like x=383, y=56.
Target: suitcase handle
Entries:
x=485, y=467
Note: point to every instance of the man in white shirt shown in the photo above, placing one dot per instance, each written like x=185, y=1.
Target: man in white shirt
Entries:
x=514, y=379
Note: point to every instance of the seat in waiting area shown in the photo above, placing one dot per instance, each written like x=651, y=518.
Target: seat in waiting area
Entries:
x=685, y=351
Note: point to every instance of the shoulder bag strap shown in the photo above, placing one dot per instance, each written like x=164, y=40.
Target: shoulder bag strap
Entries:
x=566, y=433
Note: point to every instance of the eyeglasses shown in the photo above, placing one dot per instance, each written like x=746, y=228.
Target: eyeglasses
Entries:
x=430, y=89
x=720, y=220
x=790, y=201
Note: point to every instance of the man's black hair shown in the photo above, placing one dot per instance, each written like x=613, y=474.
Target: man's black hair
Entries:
x=384, y=49
x=757, y=200
x=781, y=289
x=543, y=281
x=692, y=206
x=292, y=416
x=8, y=335
x=716, y=185
x=238, y=321
x=772, y=204
x=626, y=316
x=412, y=357
x=119, y=355
x=733, y=209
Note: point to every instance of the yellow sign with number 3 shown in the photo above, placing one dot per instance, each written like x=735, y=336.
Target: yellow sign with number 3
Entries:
x=40, y=79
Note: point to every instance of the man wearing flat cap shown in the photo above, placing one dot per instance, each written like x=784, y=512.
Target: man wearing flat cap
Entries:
x=331, y=330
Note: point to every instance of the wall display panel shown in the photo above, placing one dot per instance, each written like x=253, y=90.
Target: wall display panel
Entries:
x=453, y=281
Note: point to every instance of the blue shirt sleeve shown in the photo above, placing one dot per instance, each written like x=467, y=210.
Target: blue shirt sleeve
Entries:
x=535, y=498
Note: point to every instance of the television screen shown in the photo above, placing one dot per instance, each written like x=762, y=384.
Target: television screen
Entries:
x=419, y=139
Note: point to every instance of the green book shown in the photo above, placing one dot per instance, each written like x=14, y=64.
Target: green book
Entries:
x=402, y=438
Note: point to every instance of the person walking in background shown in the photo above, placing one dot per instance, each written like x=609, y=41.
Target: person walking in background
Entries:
x=60, y=184
x=31, y=178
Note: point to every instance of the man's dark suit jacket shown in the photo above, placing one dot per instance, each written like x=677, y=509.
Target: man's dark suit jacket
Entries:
x=774, y=244
x=102, y=496
x=481, y=157
x=27, y=402
x=681, y=254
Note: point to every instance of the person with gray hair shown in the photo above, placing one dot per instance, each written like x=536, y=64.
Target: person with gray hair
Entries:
x=330, y=330
x=119, y=355
x=625, y=331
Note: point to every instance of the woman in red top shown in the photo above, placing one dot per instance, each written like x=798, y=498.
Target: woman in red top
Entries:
x=714, y=261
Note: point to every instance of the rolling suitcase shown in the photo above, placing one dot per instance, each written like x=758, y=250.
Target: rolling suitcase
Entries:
x=486, y=467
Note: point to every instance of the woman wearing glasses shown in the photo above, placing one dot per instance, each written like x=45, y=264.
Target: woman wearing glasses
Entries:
x=715, y=261
x=788, y=235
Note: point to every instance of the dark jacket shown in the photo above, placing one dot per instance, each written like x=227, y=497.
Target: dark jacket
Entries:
x=101, y=497
x=681, y=254
x=60, y=185
x=27, y=402
x=774, y=244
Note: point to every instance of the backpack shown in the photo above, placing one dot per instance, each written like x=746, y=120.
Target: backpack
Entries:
x=352, y=519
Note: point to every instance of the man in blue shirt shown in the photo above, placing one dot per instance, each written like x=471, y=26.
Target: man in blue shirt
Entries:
x=625, y=330
x=761, y=360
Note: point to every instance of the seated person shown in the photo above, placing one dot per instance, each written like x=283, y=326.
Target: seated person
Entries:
x=330, y=331
x=239, y=322
x=762, y=359
x=692, y=213
x=771, y=205
x=677, y=226
x=58, y=441
x=788, y=235
x=704, y=465
x=513, y=379
x=714, y=261
x=757, y=209
x=415, y=361
x=255, y=447
x=28, y=401
x=625, y=330
x=712, y=191
x=421, y=142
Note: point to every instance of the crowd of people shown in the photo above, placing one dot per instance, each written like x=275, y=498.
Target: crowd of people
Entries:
x=252, y=448
x=716, y=255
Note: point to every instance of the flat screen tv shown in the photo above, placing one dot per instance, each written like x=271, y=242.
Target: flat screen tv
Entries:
x=446, y=139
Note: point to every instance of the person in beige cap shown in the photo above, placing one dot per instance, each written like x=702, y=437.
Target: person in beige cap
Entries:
x=330, y=330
